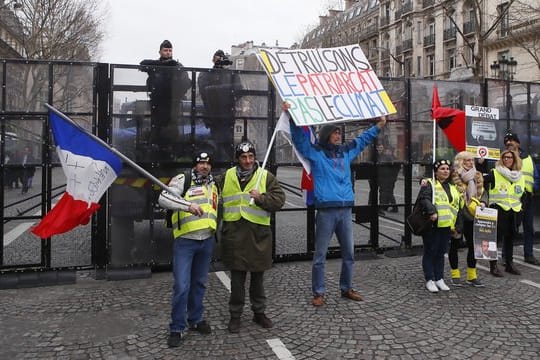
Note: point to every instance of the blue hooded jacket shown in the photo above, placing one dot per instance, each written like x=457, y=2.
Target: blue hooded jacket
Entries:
x=331, y=164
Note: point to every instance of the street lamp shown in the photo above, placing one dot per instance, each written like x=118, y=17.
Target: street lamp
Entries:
x=505, y=69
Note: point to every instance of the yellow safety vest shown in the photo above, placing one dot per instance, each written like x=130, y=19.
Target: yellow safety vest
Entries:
x=527, y=172
x=206, y=197
x=506, y=194
x=236, y=202
x=446, y=211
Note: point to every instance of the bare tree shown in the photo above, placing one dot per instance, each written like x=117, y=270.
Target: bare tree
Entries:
x=61, y=29
x=524, y=27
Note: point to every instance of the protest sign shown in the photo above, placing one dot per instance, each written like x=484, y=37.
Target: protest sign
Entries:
x=483, y=140
x=485, y=233
x=326, y=85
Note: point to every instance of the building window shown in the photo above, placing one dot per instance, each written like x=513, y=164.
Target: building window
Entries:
x=451, y=58
x=419, y=38
x=419, y=66
x=505, y=20
x=430, y=59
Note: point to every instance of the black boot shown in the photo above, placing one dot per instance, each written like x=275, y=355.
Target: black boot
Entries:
x=494, y=269
x=510, y=268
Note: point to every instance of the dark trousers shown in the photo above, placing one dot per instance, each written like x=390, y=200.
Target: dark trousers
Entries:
x=257, y=296
x=435, y=245
x=506, y=232
x=454, y=246
x=528, y=224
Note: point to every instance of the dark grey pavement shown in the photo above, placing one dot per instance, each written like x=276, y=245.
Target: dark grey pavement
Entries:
x=97, y=319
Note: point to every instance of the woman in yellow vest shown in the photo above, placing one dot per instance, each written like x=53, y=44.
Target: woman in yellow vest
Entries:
x=443, y=213
x=506, y=185
x=470, y=184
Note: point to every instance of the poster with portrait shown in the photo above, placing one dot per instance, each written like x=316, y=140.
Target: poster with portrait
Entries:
x=485, y=233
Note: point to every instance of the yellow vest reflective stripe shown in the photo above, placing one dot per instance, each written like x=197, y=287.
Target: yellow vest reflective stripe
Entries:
x=527, y=171
x=446, y=211
x=505, y=193
x=185, y=222
x=236, y=202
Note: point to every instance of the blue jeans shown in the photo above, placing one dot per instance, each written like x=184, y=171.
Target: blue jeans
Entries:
x=191, y=263
x=328, y=222
x=435, y=245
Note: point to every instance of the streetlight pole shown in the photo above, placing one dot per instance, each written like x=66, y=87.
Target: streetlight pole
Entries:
x=505, y=69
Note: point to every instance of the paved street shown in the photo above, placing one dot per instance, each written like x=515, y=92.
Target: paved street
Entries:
x=398, y=319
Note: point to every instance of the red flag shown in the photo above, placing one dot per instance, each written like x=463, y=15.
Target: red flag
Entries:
x=450, y=120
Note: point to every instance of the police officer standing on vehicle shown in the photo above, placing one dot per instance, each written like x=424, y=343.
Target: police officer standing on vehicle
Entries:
x=194, y=224
x=167, y=85
x=218, y=88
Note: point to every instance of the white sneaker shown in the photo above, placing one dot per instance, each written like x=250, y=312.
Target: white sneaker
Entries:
x=430, y=285
x=441, y=285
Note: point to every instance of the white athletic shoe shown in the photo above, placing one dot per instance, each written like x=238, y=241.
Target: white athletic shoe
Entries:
x=441, y=285
x=430, y=285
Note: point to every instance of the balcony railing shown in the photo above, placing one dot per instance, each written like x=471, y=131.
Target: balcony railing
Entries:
x=468, y=27
x=407, y=44
x=407, y=7
x=427, y=3
x=449, y=34
x=429, y=40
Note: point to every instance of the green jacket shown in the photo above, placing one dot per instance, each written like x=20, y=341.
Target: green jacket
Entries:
x=246, y=246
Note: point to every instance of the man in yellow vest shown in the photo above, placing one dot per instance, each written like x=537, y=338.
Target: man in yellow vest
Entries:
x=194, y=223
x=532, y=182
x=249, y=196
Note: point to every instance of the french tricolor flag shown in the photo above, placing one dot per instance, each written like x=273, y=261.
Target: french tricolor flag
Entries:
x=90, y=168
x=306, y=183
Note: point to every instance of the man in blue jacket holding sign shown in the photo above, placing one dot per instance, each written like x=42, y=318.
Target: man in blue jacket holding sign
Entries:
x=334, y=198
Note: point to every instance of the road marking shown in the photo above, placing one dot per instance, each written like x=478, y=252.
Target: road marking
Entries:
x=529, y=282
x=523, y=263
x=279, y=349
x=224, y=279
x=482, y=267
x=18, y=230
x=275, y=344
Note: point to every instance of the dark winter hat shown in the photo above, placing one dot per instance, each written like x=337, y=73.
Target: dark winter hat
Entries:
x=244, y=147
x=326, y=131
x=511, y=136
x=165, y=44
x=439, y=163
x=202, y=157
x=219, y=53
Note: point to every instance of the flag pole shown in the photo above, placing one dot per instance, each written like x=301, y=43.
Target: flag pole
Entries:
x=112, y=149
x=266, y=156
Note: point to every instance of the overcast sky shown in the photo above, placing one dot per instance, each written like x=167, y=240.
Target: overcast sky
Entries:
x=198, y=28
